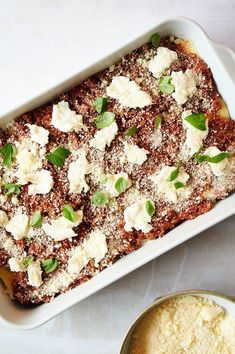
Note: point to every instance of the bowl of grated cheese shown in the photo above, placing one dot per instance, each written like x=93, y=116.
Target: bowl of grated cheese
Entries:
x=192, y=321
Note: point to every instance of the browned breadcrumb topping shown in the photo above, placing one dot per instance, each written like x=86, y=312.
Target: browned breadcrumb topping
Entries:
x=164, y=146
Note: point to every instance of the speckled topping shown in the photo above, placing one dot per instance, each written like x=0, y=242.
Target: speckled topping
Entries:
x=157, y=148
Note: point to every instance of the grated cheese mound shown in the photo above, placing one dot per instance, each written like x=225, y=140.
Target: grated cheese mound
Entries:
x=34, y=274
x=77, y=174
x=16, y=265
x=186, y=324
x=18, y=226
x=111, y=181
x=38, y=134
x=128, y=93
x=104, y=137
x=134, y=154
x=217, y=168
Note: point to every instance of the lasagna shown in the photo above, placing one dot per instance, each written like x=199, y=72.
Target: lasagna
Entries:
x=115, y=162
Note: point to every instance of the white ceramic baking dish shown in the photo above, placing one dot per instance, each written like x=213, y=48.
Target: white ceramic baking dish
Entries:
x=222, y=62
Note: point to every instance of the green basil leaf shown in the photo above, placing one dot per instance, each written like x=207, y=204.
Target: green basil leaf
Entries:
x=174, y=174
x=8, y=152
x=155, y=39
x=69, y=213
x=99, y=198
x=28, y=260
x=165, y=85
x=121, y=185
x=215, y=159
x=12, y=188
x=36, y=219
x=179, y=185
x=149, y=207
x=100, y=104
x=50, y=265
x=132, y=131
x=197, y=120
x=58, y=156
x=158, y=121
x=104, y=120
x=218, y=158
x=103, y=179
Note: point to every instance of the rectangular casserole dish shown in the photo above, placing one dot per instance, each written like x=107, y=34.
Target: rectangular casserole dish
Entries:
x=221, y=60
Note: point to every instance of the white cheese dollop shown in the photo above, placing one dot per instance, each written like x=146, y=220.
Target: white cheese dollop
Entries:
x=77, y=172
x=3, y=218
x=38, y=134
x=134, y=154
x=136, y=217
x=34, y=274
x=194, y=136
x=18, y=226
x=111, y=181
x=78, y=260
x=104, y=137
x=162, y=61
x=42, y=182
x=62, y=228
x=128, y=93
x=64, y=119
x=96, y=246
x=167, y=188
x=185, y=85
x=28, y=160
x=219, y=167
x=16, y=265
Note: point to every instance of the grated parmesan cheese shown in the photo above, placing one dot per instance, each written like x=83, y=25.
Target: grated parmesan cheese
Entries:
x=185, y=85
x=162, y=61
x=128, y=93
x=104, y=137
x=136, y=217
x=66, y=120
x=134, y=154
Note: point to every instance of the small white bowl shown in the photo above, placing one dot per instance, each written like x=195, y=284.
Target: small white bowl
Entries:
x=226, y=302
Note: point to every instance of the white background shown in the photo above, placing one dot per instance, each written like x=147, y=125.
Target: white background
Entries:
x=43, y=42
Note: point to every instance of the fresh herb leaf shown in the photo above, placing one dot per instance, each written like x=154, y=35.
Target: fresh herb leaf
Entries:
x=36, y=219
x=27, y=261
x=197, y=120
x=50, y=265
x=69, y=213
x=165, y=85
x=174, y=174
x=8, y=152
x=121, y=185
x=149, y=207
x=179, y=185
x=215, y=159
x=103, y=179
x=158, y=121
x=12, y=188
x=155, y=39
x=104, y=120
x=99, y=198
x=132, y=131
x=100, y=104
x=58, y=156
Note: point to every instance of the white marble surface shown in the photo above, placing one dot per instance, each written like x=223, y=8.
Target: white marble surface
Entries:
x=45, y=41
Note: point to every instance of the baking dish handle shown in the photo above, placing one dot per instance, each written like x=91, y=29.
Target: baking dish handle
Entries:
x=227, y=56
